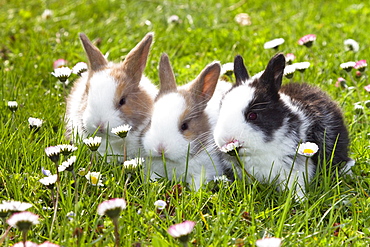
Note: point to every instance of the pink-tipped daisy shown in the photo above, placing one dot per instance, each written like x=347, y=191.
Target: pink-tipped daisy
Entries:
x=289, y=58
x=360, y=65
x=341, y=82
x=273, y=44
x=307, y=149
x=367, y=88
x=48, y=244
x=181, y=230
x=269, y=242
x=307, y=40
x=59, y=63
x=79, y=68
x=231, y=147
x=112, y=208
x=23, y=220
x=28, y=244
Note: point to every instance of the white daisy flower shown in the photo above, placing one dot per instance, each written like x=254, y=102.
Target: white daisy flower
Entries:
x=53, y=153
x=133, y=163
x=352, y=45
x=307, y=149
x=275, y=43
x=227, y=69
x=230, y=147
x=94, y=178
x=302, y=66
x=243, y=19
x=93, y=142
x=221, y=178
x=62, y=73
x=79, y=68
x=47, y=14
x=347, y=66
x=268, y=242
x=14, y=206
x=160, y=204
x=122, y=130
x=23, y=220
x=13, y=105
x=67, y=165
x=112, y=208
x=173, y=19
x=49, y=181
x=35, y=123
x=67, y=149
x=289, y=71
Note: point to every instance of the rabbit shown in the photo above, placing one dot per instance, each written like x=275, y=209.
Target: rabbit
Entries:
x=181, y=127
x=109, y=95
x=266, y=122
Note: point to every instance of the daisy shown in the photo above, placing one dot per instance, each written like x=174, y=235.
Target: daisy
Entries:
x=275, y=43
x=47, y=14
x=367, y=88
x=347, y=66
x=307, y=40
x=307, y=149
x=62, y=73
x=173, y=19
x=359, y=108
x=230, y=147
x=289, y=71
x=94, y=178
x=28, y=244
x=360, y=65
x=227, y=69
x=112, y=208
x=301, y=67
x=67, y=149
x=14, y=206
x=133, y=163
x=122, y=130
x=48, y=244
x=351, y=45
x=221, y=178
x=289, y=58
x=35, y=123
x=67, y=165
x=341, y=82
x=160, y=204
x=79, y=68
x=49, y=181
x=268, y=242
x=13, y=106
x=53, y=152
x=23, y=220
x=59, y=63
x=243, y=19
x=93, y=142
x=181, y=230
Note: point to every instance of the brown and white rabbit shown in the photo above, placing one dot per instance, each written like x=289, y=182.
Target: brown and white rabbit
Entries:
x=268, y=121
x=181, y=127
x=109, y=95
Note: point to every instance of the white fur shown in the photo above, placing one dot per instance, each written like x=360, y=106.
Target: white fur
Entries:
x=164, y=135
x=264, y=160
x=101, y=115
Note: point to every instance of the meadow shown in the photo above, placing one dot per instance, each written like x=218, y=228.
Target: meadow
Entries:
x=336, y=211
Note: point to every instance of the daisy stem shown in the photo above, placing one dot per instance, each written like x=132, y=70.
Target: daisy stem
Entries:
x=124, y=150
x=116, y=233
x=76, y=185
x=56, y=200
x=125, y=188
x=242, y=165
x=24, y=236
x=5, y=234
x=91, y=160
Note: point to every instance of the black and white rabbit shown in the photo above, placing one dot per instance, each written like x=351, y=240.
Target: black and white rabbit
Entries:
x=182, y=124
x=267, y=122
x=109, y=95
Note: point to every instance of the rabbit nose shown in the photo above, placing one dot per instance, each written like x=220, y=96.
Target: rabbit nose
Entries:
x=161, y=150
x=101, y=127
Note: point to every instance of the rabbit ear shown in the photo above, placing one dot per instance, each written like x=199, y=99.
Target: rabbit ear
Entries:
x=205, y=84
x=272, y=77
x=135, y=61
x=166, y=76
x=96, y=59
x=240, y=71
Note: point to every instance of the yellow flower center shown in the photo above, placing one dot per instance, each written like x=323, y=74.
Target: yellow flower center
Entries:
x=308, y=151
x=94, y=180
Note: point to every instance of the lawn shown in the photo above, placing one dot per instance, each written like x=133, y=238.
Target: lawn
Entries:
x=336, y=211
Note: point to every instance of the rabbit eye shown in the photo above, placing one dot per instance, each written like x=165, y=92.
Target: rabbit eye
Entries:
x=122, y=101
x=251, y=116
x=184, y=126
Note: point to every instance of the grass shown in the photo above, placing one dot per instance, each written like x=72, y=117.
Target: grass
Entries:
x=337, y=209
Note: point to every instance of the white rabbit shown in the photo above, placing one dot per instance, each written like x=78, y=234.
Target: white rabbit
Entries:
x=181, y=127
x=109, y=95
x=267, y=122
